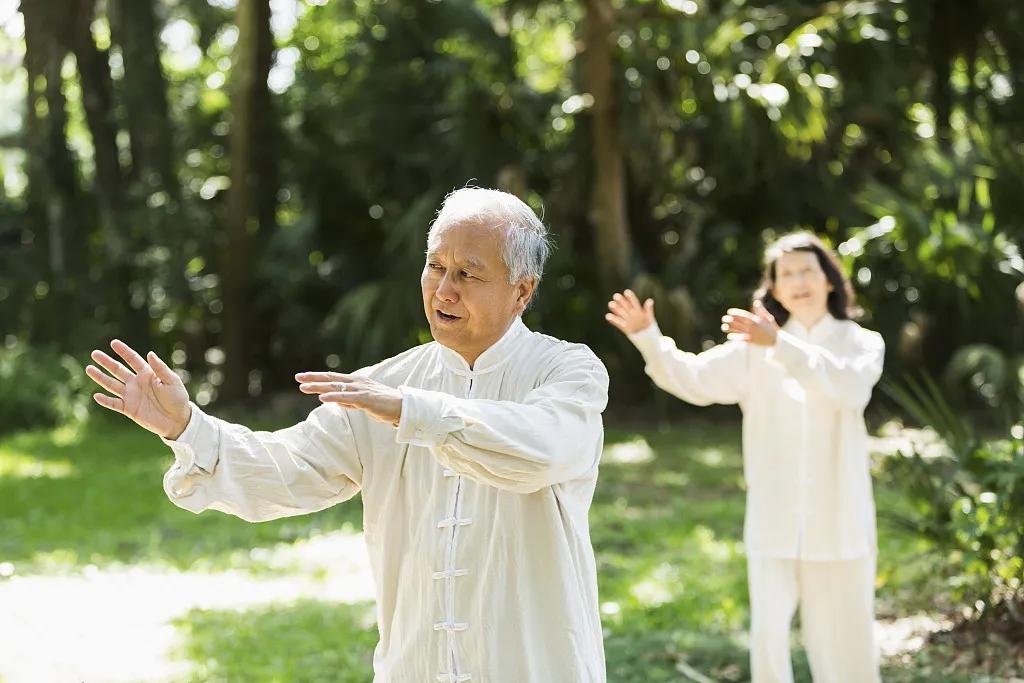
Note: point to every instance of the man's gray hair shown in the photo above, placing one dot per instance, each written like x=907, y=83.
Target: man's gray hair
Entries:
x=526, y=246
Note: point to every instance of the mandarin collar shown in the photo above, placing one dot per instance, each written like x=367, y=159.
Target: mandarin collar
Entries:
x=819, y=332
x=493, y=357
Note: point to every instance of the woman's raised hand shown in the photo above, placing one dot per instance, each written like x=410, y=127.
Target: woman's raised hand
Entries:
x=627, y=313
x=757, y=327
x=147, y=390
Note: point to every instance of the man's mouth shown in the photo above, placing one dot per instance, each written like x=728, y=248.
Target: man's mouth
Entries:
x=445, y=317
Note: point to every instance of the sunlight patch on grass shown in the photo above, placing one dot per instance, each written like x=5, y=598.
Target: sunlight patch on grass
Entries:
x=16, y=465
x=632, y=452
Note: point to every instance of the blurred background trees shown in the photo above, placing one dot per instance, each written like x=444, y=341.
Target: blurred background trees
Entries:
x=245, y=186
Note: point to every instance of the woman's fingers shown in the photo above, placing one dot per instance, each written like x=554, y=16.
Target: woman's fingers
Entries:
x=740, y=313
x=737, y=322
x=632, y=298
x=617, y=322
x=763, y=312
x=112, y=366
x=110, y=402
x=130, y=356
x=649, y=307
x=737, y=336
x=105, y=380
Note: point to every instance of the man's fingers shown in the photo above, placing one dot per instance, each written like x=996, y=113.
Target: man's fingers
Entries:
x=323, y=377
x=130, y=356
x=115, y=404
x=162, y=369
x=105, y=380
x=324, y=387
x=347, y=399
x=112, y=366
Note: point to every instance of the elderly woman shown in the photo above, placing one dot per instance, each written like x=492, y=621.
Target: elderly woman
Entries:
x=802, y=372
x=476, y=456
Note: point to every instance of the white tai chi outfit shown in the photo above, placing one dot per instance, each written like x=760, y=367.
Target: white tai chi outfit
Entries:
x=474, y=508
x=810, y=515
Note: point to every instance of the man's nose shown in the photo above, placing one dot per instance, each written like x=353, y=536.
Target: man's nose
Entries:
x=446, y=290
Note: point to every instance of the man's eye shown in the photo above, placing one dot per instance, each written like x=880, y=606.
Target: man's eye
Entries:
x=465, y=274
x=434, y=266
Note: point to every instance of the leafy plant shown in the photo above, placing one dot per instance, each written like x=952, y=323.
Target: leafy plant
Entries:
x=968, y=499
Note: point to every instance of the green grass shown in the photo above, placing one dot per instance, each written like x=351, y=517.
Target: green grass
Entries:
x=306, y=642
x=93, y=495
x=666, y=522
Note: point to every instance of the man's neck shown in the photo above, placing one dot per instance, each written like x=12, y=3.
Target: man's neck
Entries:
x=473, y=355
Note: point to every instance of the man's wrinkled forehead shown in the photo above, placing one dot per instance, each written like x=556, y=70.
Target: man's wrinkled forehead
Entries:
x=477, y=239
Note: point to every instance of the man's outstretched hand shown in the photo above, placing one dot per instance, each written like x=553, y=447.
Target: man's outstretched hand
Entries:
x=377, y=400
x=147, y=390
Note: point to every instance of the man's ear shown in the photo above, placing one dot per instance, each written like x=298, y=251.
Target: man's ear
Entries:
x=525, y=289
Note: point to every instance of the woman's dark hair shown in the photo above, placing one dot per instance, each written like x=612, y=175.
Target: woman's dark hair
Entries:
x=841, y=300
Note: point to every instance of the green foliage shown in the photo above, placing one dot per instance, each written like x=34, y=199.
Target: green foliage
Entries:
x=891, y=128
x=986, y=376
x=967, y=498
x=40, y=388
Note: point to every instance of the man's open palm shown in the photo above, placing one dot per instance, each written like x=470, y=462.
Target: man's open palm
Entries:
x=147, y=390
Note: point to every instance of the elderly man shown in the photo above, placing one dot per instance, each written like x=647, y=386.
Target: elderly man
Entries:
x=476, y=455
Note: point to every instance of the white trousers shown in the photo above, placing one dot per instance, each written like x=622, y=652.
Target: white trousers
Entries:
x=837, y=616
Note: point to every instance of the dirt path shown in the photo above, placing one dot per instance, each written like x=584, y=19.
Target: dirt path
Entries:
x=114, y=624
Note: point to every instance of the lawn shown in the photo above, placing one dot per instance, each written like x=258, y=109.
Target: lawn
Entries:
x=666, y=523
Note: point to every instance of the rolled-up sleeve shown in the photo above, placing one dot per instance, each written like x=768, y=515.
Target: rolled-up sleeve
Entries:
x=845, y=379
x=259, y=476
x=718, y=375
x=553, y=435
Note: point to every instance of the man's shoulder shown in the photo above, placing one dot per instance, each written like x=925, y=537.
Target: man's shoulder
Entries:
x=560, y=353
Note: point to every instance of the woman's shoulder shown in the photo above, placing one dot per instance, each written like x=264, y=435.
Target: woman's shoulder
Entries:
x=860, y=335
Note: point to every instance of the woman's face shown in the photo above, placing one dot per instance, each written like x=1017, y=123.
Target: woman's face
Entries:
x=801, y=286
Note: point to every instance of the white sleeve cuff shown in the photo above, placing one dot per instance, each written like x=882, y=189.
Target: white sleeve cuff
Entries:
x=423, y=421
x=646, y=340
x=198, y=447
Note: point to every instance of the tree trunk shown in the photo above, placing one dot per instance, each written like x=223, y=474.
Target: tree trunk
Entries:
x=98, y=102
x=248, y=212
x=135, y=27
x=608, y=194
x=53, y=184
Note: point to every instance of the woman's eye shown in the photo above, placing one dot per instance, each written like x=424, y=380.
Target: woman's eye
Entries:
x=434, y=266
x=465, y=274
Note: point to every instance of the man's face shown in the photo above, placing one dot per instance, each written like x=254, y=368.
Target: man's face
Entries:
x=801, y=286
x=467, y=297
